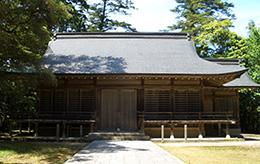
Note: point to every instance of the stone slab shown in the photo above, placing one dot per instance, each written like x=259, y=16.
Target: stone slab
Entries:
x=123, y=152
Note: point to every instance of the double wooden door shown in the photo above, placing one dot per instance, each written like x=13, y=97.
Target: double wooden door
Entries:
x=118, y=110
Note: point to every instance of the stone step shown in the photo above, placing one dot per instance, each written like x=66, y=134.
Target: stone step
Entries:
x=116, y=136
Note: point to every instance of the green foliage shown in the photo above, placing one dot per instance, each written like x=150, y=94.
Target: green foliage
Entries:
x=96, y=17
x=100, y=15
x=216, y=40
x=25, y=29
x=249, y=111
x=252, y=57
x=250, y=99
x=78, y=19
x=194, y=15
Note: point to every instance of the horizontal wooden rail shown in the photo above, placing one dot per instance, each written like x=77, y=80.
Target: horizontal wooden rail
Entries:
x=67, y=115
x=185, y=115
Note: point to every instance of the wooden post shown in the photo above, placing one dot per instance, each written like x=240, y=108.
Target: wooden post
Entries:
x=63, y=130
x=200, y=131
x=58, y=132
x=10, y=128
x=142, y=127
x=36, y=129
x=227, y=131
x=219, y=129
x=162, y=133
x=92, y=127
x=29, y=127
x=20, y=128
x=67, y=129
x=185, y=132
x=172, y=131
x=81, y=132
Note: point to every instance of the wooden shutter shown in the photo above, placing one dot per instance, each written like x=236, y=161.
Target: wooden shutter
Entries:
x=157, y=101
x=194, y=101
x=226, y=105
x=58, y=100
x=180, y=101
x=187, y=101
x=74, y=100
x=87, y=100
x=45, y=100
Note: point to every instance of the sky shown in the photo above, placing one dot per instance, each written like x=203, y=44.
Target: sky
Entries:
x=155, y=15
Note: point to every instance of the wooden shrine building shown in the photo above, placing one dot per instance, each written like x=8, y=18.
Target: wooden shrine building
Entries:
x=132, y=82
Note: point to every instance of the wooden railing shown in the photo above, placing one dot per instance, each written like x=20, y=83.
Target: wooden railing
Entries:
x=142, y=116
x=67, y=115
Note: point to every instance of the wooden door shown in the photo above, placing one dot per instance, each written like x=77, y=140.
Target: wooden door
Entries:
x=118, y=110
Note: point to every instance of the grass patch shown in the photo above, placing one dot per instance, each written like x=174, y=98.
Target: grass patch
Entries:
x=215, y=154
x=37, y=152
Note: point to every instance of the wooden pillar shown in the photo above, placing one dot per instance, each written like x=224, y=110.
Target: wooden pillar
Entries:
x=172, y=131
x=227, y=130
x=200, y=131
x=10, y=128
x=185, y=133
x=36, y=129
x=20, y=128
x=63, y=130
x=162, y=133
x=91, y=127
x=80, y=132
x=201, y=96
x=67, y=130
x=142, y=127
x=219, y=129
x=58, y=132
x=29, y=127
x=238, y=110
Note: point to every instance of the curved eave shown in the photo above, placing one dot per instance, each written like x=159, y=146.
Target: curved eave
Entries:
x=243, y=82
x=214, y=79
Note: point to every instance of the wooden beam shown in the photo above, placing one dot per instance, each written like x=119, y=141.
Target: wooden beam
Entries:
x=227, y=131
x=200, y=131
x=20, y=128
x=10, y=128
x=58, y=132
x=29, y=127
x=63, y=130
x=219, y=129
x=80, y=132
x=36, y=129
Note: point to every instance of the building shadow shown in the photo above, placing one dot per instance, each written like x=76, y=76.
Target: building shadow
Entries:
x=84, y=64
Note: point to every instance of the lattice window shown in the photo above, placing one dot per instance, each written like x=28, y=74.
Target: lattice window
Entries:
x=187, y=101
x=45, y=100
x=226, y=105
x=87, y=100
x=58, y=100
x=74, y=100
x=157, y=100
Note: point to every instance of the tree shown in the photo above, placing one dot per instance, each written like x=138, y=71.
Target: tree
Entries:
x=216, y=40
x=78, y=19
x=194, y=14
x=100, y=15
x=96, y=17
x=25, y=28
x=250, y=99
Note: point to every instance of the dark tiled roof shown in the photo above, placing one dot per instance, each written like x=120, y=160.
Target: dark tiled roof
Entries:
x=244, y=81
x=143, y=53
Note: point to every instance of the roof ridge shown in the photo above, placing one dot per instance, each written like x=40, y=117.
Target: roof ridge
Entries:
x=169, y=35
